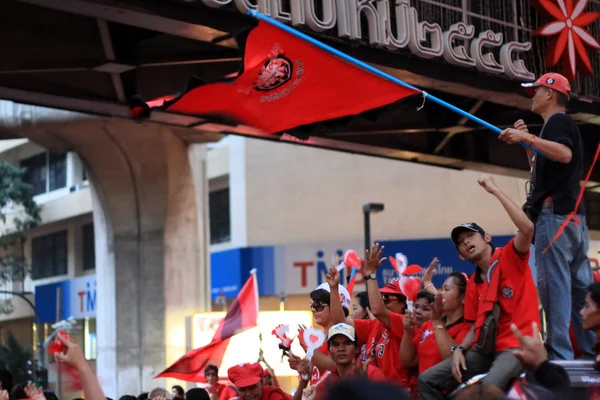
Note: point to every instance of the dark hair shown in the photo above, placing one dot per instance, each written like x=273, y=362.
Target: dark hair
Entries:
x=197, y=394
x=364, y=389
x=423, y=294
x=363, y=300
x=124, y=397
x=561, y=99
x=323, y=296
x=143, y=396
x=7, y=380
x=594, y=291
x=18, y=392
x=50, y=395
x=460, y=281
x=179, y=390
x=211, y=367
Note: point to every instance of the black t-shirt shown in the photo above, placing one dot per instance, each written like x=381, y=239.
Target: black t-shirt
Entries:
x=555, y=179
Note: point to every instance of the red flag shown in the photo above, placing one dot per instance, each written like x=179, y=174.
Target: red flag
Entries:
x=241, y=315
x=287, y=82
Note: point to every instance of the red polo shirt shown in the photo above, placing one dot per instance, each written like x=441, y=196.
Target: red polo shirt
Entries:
x=517, y=296
x=383, y=346
x=426, y=346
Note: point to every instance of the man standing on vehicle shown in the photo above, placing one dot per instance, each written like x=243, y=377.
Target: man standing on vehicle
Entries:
x=563, y=268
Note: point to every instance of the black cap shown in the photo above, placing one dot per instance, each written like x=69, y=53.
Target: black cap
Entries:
x=469, y=226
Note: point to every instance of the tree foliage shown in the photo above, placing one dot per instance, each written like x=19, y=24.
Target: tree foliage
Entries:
x=16, y=359
x=18, y=214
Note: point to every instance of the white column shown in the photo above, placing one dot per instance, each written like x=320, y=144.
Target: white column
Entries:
x=106, y=329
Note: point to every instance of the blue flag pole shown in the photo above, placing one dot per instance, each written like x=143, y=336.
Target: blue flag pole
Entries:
x=365, y=66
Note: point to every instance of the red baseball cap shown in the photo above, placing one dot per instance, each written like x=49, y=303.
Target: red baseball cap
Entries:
x=550, y=80
x=244, y=375
x=392, y=287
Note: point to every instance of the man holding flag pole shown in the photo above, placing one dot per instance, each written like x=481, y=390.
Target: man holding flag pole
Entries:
x=553, y=204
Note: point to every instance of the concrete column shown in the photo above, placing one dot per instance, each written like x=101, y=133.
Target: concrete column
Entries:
x=149, y=193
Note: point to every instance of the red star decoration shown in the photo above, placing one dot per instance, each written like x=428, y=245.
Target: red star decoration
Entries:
x=570, y=44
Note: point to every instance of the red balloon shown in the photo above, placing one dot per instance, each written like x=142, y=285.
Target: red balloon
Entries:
x=57, y=346
x=410, y=286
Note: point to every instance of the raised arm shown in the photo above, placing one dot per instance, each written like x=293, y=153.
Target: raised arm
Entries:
x=408, y=354
x=373, y=261
x=74, y=357
x=335, y=305
x=524, y=225
x=428, y=276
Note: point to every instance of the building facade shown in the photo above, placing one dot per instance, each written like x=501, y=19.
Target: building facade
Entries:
x=152, y=195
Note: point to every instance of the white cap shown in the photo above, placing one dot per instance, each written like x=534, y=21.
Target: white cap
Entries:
x=342, y=329
x=344, y=295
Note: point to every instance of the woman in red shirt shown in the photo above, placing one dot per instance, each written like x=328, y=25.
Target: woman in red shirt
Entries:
x=446, y=328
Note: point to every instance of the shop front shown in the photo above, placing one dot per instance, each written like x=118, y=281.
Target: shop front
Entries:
x=73, y=300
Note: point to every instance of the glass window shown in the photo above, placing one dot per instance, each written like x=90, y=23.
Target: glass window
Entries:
x=220, y=226
x=89, y=254
x=46, y=172
x=36, y=172
x=57, y=170
x=49, y=255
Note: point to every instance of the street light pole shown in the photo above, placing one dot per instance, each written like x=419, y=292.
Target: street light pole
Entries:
x=39, y=325
x=367, y=210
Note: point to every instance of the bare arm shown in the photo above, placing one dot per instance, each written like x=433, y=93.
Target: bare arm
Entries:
x=552, y=150
x=524, y=225
x=74, y=357
x=303, y=369
x=373, y=261
x=408, y=354
x=337, y=311
x=321, y=361
x=428, y=277
x=468, y=340
x=442, y=338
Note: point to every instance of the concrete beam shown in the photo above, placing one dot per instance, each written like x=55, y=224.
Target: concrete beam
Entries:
x=136, y=18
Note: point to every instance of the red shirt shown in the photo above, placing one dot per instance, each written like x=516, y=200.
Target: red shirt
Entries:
x=316, y=372
x=426, y=346
x=373, y=373
x=224, y=392
x=383, y=346
x=517, y=296
x=274, y=393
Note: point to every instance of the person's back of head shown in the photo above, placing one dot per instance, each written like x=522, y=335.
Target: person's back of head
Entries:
x=7, y=380
x=158, y=392
x=50, y=395
x=125, y=397
x=177, y=391
x=143, y=396
x=18, y=392
x=197, y=394
x=363, y=389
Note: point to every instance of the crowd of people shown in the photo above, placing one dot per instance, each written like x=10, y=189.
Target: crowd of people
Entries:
x=485, y=325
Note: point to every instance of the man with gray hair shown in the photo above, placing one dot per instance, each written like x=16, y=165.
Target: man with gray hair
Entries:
x=159, y=393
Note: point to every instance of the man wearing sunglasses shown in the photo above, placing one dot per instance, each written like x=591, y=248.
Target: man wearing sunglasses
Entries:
x=382, y=335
